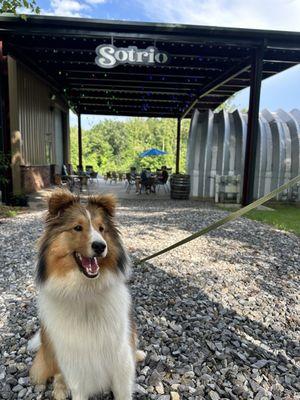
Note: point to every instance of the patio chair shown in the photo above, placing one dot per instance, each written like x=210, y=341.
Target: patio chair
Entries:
x=130, y=182
x=90, y=171
x=68, y=181
x=163, y=181
x=64, y=180
x=114, y=177
x=80, y=170
x=107, y=176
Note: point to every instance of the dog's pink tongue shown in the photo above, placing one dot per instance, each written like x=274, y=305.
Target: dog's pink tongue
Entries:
x=86, y=262
x=94, y=264
x=89, y=264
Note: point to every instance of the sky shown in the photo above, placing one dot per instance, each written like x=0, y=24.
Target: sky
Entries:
x=280, y=91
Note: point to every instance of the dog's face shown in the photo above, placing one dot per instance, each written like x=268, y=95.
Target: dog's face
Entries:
x=84, y=237
x=79, y=238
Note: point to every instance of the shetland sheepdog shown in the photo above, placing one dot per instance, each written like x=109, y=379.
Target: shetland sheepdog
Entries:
x=87, y=340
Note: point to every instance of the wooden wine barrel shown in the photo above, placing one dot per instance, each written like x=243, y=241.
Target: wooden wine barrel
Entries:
x=180, y=186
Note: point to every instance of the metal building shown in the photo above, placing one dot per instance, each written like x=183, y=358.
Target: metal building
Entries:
x=39, y=128
x=216, y=152
x=50, y=64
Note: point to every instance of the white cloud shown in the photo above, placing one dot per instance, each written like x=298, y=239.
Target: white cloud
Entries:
x=24, y=10
x=260, y=14
x=94, y=2
x=67, y=8
x=71, y=8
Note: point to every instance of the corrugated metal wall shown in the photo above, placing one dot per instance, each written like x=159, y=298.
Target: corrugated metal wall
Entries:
x=33, y=106
x=217, y=147
x=35, y=117
x=15, y=134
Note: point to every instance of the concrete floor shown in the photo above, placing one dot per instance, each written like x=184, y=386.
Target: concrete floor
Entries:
x=99, y=186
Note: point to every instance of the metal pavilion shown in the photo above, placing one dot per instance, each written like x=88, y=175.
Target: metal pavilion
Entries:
x=204, y=67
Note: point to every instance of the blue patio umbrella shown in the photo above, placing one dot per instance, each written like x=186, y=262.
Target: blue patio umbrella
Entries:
x=153, y=152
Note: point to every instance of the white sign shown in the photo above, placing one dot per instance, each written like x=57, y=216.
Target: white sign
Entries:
x=109, y=56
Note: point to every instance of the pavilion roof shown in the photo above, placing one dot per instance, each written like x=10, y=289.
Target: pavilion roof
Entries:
x=205, y=63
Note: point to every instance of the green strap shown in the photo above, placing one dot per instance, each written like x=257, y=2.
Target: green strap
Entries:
x=230, y=217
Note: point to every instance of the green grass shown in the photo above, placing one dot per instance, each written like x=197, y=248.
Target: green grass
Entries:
x=284, y=217
x=9, y=212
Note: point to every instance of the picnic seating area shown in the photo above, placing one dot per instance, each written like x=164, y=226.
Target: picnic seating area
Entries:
x=121, y=183
x=86, y=181
x=145, y=181
x=75, y=180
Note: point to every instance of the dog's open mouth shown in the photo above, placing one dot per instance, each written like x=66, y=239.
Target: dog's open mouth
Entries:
x=87, y=265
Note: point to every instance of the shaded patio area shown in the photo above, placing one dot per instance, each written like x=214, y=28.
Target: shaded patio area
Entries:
x=100, y=186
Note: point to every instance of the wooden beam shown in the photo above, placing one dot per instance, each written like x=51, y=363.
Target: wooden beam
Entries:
x=129, y=113
x=219, y=81
x=82, y=81
x=211, y=36
x=145, y=86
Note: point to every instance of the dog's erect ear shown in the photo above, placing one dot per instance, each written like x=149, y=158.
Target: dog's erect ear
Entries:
x=59, y=201
x=107, y=201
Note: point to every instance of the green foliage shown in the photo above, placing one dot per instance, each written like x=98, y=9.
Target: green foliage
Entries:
x=11, y=6
x=9, y=212
x=116, y=145
x=230, y=106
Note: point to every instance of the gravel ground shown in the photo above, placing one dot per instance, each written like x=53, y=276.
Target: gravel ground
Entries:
x=218, y=318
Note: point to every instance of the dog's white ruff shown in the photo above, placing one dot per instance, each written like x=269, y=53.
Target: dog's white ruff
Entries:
x=88, y=324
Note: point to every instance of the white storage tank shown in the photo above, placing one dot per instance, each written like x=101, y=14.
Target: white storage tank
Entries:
x=216, y=147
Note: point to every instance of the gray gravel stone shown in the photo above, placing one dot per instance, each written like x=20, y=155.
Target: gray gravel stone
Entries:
x=217, y=317
x=17, y=388
x=213, y=395
x=155, y=378
x=260, y=364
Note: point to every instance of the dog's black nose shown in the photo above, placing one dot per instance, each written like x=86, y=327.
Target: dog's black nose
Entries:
x=98, y=247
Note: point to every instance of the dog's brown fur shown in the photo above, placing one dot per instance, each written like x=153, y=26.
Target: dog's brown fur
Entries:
x=57, y=246
x=44, y=365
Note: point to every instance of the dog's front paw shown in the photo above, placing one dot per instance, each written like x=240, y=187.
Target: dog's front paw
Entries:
x=60, y=391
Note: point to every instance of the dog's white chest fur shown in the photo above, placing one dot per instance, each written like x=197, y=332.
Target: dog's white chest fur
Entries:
x=90, y=336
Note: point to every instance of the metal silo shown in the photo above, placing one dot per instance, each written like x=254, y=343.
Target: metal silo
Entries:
x=216, y=151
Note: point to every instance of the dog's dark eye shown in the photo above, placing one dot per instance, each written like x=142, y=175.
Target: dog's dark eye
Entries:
x=101, y=229
x=78, y=228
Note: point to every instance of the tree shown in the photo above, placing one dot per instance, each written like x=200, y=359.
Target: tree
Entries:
x=116, y=145
x=228, y=105
x=12, y=6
